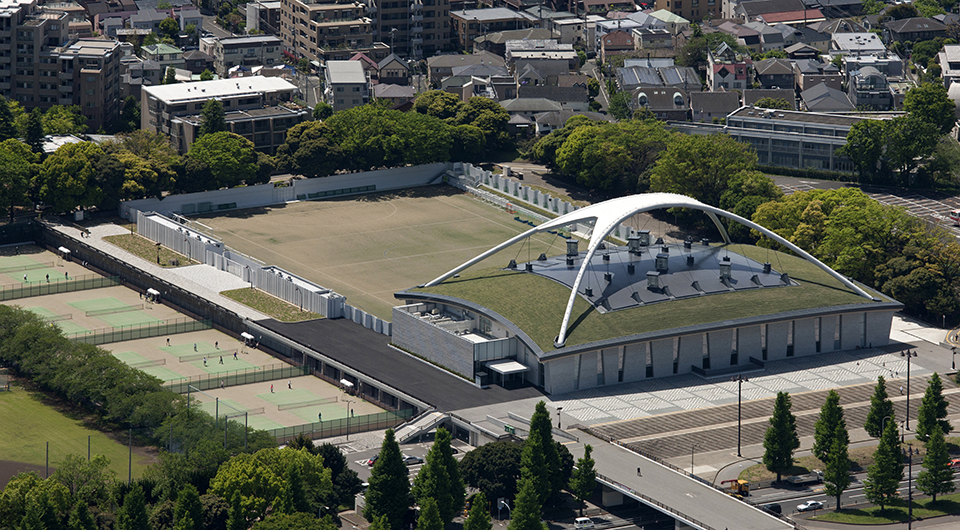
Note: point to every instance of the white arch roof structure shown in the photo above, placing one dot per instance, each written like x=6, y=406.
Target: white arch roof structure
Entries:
x=609, y=214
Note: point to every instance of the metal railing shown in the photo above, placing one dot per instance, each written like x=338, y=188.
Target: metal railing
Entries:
x=257, y=374
x=655, y=502
x=61, y=285
x=140, y=331
x=343, y=426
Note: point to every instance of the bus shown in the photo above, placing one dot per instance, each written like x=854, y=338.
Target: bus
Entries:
x=955, y=217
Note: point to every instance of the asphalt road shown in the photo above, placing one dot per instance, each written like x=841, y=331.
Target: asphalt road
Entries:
x=210, y=24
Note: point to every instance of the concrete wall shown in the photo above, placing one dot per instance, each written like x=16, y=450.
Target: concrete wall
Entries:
x=559, y=375
x=611, y=372
x=720, y=348
x=878, y=328
x=748, y=344
x=691, y=353
x=588, y=370
x=828, y=327
x=851, y=330
x=268, y=195
x=804, y=338
x=634, y=362
x=432, y=342
x=777, y=340
x=662, y=357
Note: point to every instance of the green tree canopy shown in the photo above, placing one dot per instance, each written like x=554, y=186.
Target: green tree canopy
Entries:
x=701, y=166
x=479, y=517
x=541, y=424
x=933, y=410
x=525, y=514
x=32, y=130
x=148, y=163
x=886, y=472
x=170, y=77
x=831, y=419
x=937, y=475
x=880, y=407
x=80, y=518
x=133, y=515
x=59, y=119
x=545, y=150
x=836, y=474
x=322, y=111
x=8, y=124
x=296, y=521
x=584, y=479
x=219, y=160
x=429, y=515
x=188, y=505
x=781, y=439
x=18, y=165
x=864, y=147
x=66, y=179
x=438, y=103
x=493, y=468
x=311, y=149
x=213, y=118
x=773, y=103
x=206, y=75
x=439, y=479
x=389, y=491
x=620, y=106
x=930, y=103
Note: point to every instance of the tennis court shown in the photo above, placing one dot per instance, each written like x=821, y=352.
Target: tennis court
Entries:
x=64, y=321
x=116, y=313
x=369, y=247
x=37, y=264
x=156, y=368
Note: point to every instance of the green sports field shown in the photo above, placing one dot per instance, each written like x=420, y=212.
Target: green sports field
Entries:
x=25, y=417
x=369, y=247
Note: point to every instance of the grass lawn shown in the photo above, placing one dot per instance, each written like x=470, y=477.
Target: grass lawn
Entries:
x=897, y=513
x=30, y=422
x=540, y=316
x=860, y=459
x=147, y=249
x=269, y=305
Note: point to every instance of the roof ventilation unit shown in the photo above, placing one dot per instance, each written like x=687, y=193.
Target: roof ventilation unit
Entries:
x=528, y=267
x=631, y=268
x=662, y=260
x=785, y=279
x=569, y=263
x=512, y=264
x=756, y=280
x=653, y=280
x=607, y=277
x=644, y=238
x=633, y=244
x=659, y=241
x=687, y=244
x=543, y=257
x=572, y=250
x=689, y=260
x=606, y=257
x=705, y=242
x=767, y=268
x=725, y=268
x=588, y=292
x=602, y=246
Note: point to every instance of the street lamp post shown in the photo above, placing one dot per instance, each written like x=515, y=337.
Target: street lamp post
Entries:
x=953, y=358
x=740, y=380
x=692, y=447
x=909, y=355
x=558, y=416
x=910, y=490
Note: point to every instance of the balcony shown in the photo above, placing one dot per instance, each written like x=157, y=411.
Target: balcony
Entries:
x=416, y=6
x=416, y=41
x=416, y=29
x=416, y=17
x=371, y=8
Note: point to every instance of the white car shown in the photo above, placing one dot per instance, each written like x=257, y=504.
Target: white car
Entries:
x=810, y=506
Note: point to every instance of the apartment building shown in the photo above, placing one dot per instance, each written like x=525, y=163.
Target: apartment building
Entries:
x=325, y=30
x=42, y=64
x=253, y=50
x=256, y=108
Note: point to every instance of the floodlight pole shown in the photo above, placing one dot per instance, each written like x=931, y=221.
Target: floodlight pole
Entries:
x=740, y=380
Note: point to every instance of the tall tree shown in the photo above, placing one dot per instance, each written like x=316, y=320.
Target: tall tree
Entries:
x=479, y=518
x=296, y=499
x=18, y=165
x=229, y=160
x=33, y=130
x=188, y=505
x=135, y=511
x=429, y=516
x=781, y=439
x=533, y=468
x=933, y=410
x=89, y=482
x=346, y=483
x=493, y=468
x=170, y=77
x=864, y=148
x=930, y=103
x=8, y=127
x=541, y=423
x=80, y=518
x=886, y=472
x=213, y=118
x=439, y=479
x=831, y=418
x=836, y=476
x=389, y=490
x=322, y=111
x=236, y=520
x=937, y=475
x=880, y=407
x=701, y=166
x=525, y=514
x=584, y=479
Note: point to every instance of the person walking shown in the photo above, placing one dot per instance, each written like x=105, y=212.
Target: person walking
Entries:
x=271, y=388
x=204, y=361
x=24, y=278
x=48, y=278
x=216, y=344
x=234, y=356
x=289, y=385
x=221, y=359
x=194, y=346
x=221, y=384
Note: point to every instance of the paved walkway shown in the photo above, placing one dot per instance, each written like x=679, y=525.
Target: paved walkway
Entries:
x=206, y=284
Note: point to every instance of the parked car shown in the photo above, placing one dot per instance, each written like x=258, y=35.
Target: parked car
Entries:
x=772, y=508
x=810, y=506
x=583, y=523
x=410, y=460
x=373, y=460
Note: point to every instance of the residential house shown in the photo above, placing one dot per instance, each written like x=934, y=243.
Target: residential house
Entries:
x=839, y=25
x=547, y=122
x=949, y=60
x=914, y=29
x=683, y=77
x=196, y=61
x=771, y=37
x=346, y=85
x=672, y=22
x=569, y=30
x=136, y=73
x=495, y=43
x=728, y=69
x=691, y=9
x=544, y=55
x=264, y=15
x=890, y=65
x=393, y=70
x=616, y=43
x=636, y=76
x=652, y=39
x=148, y=19
x=812, y=72
x=163, y=54
x=869, y=89
x=898, y=91
x=573, y=97
x=745, y=36
x=707, y=106
x=666, y=103
x=441, y=66
x=397, y=95
x=797, y=18
x=803, y=35
x=824, y=98
x=527, y=108
x=753, y=95
x=253, y=50
x=801, y=51
x=775, y=73
x=857, y=44
x=370, y=67
x=841, y=8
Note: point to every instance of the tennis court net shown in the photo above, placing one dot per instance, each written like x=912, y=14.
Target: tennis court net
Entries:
x=58, y=318
x=28, y=267
x=311, y=403
x=112, y=310
x=147, y=364
x=214, y=355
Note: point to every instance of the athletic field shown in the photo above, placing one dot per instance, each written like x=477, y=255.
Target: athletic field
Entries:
x=369, y=247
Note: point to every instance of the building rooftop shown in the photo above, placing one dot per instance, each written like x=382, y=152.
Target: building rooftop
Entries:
x=669, y=17
x=251, y=39
x=345, y=72
x=161, y=49
x=202, y=90
x=492, y=14
x=795, y=116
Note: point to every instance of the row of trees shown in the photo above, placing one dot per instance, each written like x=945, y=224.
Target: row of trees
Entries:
x=532, y=473
x=831, y=443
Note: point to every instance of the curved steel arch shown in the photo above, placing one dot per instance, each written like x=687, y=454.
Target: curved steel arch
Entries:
x=609, y=214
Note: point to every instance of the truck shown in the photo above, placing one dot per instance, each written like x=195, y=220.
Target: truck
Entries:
x=738, y=487
x=815, y=477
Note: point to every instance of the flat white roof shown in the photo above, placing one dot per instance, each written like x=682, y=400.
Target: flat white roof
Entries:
x=507, y=367
x=219, y=88
x=346, y=72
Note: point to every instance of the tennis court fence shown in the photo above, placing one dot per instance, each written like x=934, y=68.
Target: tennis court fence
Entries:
x=112, y=310
x=28, y=267
x=341, y=426
x=140, y=331
x=257, y=374
x=61, y=285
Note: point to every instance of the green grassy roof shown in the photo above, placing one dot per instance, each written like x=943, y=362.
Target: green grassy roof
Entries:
x=536, y=304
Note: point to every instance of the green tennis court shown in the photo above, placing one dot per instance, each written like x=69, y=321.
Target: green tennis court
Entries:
x=193, y=348
x=330, y=411
x=160, y=372
x=129, y=357
x=123, y=317
x=67, y=326
x=16, y=261
x=284, y=396
x=99, y=304
x=36, y=276
x=229, y=365
x=256, y=421
x=128, y=318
